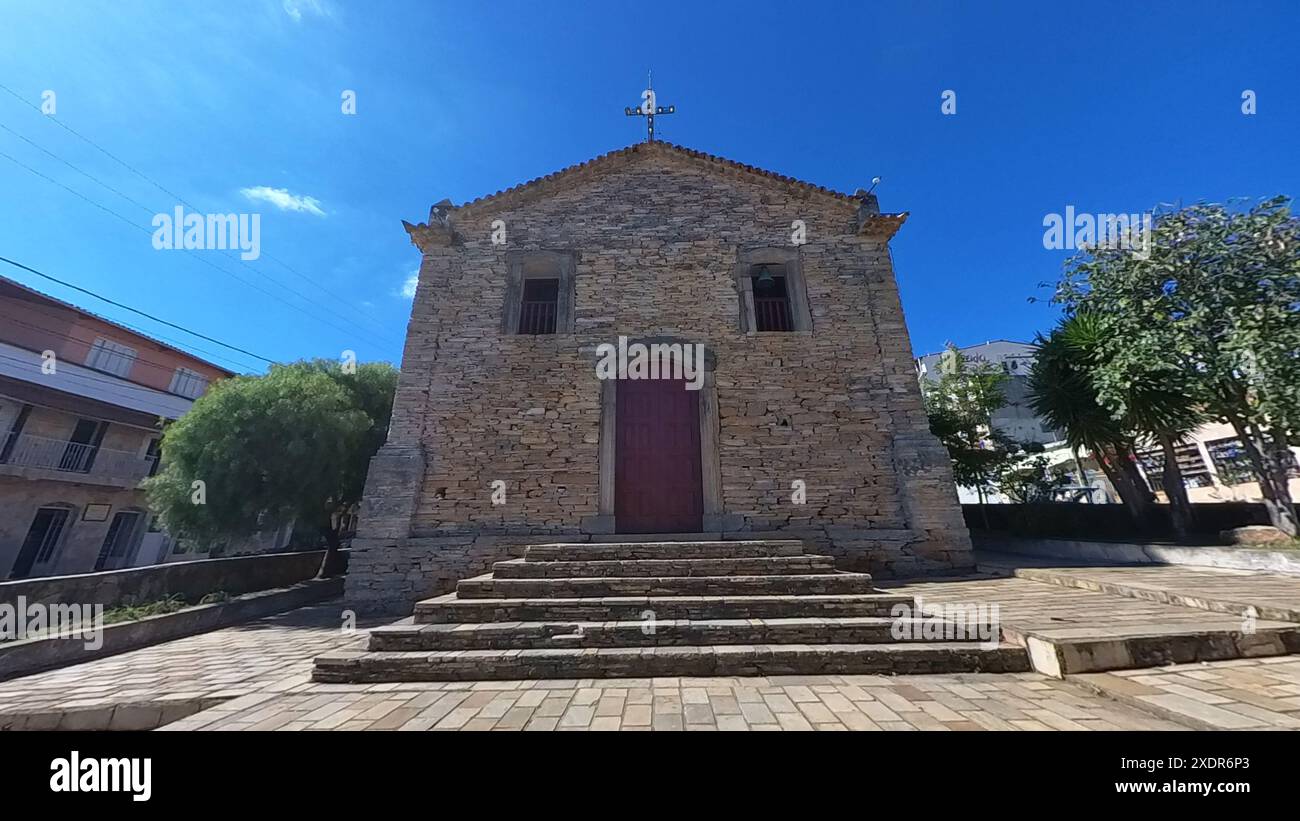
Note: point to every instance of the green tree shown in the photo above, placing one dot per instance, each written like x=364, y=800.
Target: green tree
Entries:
x=1213, y=304
x=1061, y=391
x=259, y=452
x=1026, y=478
x=1158, y=408
x=960, y=405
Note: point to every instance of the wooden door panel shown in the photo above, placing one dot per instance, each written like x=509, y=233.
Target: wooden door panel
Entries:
x=657, y=483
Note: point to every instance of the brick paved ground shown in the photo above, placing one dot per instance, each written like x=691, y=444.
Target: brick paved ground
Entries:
x=257, y=676
x=1246, y=694
x=1219, y=590
x=177, y=677
x=1064, y=613
x=1023, y=701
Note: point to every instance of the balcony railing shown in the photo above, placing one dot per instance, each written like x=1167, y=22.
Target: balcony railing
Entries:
x=27, y=450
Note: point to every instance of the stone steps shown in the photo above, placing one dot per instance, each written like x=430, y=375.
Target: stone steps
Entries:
x=585, y=552
x=642, y=608
x=828, y=584
x=646, y=662
x=670, y=633
x=606, y=568
x=452, y=609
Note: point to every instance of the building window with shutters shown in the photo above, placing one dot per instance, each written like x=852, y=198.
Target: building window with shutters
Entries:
x=188, y=383
x=110, y=357
x=1195, y=473
x=539, y=293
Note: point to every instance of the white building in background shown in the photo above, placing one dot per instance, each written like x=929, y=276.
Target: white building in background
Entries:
x=1214, y=465
x=1015, y=419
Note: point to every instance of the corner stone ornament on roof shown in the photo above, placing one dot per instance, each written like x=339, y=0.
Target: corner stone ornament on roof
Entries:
x=438, y=231
x=872, y=223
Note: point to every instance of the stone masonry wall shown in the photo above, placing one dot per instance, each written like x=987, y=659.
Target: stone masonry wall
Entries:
x=657, y=237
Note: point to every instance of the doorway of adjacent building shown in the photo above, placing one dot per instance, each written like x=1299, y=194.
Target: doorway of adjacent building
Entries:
x=41, y=542
x=119, y=542
x=83, y=445
x=657, y=481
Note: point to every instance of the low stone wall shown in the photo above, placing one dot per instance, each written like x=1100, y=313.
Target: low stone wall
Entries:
x=390, y=576
x=18, y=658
x=1080, y=520
x=1235, y=558
x=190, y=580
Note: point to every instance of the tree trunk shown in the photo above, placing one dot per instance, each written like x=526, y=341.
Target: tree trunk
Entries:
x=1270, y=460
x=984, y=513
x=332, y=564
x=1118, y=467
x=1171, y=479
x=1083, y=475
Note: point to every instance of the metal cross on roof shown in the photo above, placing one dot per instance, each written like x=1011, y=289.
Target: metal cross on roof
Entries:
x=648, y=109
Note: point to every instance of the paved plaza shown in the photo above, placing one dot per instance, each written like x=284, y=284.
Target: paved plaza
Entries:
x=257, y=676
x=1019, y=701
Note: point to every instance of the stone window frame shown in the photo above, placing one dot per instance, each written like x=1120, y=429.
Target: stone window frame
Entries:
x=791, y=267
x=713, y=519
x=539, y=264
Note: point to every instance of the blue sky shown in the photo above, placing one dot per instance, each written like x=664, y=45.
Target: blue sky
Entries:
x=1112, y=109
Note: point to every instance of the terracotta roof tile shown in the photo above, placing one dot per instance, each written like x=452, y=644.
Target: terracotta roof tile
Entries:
x=658, y=145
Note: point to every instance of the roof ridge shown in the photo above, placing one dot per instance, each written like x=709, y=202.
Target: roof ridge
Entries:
x=635, y=148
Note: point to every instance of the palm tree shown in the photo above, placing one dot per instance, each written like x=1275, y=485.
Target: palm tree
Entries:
x=1165, y=414
x=1061, y=391
x=1156, y=407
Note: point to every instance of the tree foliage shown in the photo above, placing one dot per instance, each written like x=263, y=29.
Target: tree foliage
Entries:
x=1063, y=389
x=1207, y=319
x=960, y=406
x=257, y=452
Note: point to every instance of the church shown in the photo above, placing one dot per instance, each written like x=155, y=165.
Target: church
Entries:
x=786, y=407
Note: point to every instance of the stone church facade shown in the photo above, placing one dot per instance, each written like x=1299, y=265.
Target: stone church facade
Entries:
x=807, y=423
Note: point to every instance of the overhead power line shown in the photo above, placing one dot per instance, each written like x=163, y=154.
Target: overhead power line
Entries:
x=101, y=380
x=143, y=360
x=204, y=260
x=136, y=311
x=170, y=193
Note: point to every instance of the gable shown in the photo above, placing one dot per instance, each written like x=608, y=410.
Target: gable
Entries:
x=642, y=157
x=657, y=153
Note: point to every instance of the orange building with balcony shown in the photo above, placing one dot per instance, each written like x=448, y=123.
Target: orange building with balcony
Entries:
x=82, y=401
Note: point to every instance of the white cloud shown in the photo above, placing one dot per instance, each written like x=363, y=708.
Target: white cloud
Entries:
x=283, y=199
x=295, y=9
x=408, y=286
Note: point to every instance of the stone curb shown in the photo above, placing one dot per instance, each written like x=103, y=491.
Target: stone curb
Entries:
x=1060, y=658
x=133, y=716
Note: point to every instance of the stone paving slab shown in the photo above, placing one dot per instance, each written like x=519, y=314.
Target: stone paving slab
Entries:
x=1217, y=590
x=1065, y=613
x=1068, y=629
x=1246, y=694
x=1014, y=701
x=142, y=688
x=258, y=674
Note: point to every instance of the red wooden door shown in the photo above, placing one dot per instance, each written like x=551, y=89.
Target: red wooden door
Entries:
x=657, y=484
